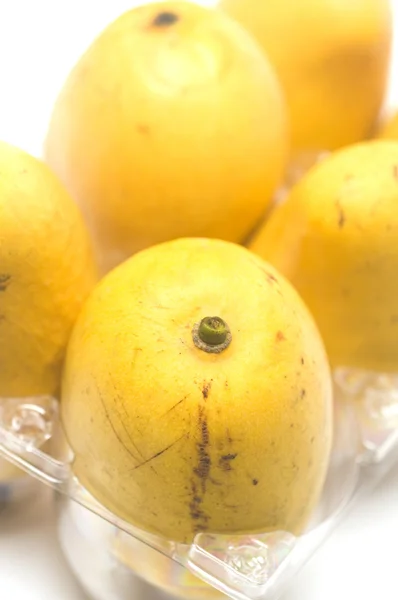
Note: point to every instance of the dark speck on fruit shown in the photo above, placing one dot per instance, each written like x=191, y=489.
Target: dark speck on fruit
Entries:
x=164, y=19
x=4, y=281
x=206, y=390
x=225, y=461
x=341, y=215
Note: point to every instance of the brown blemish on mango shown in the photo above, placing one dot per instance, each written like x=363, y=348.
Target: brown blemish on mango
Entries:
x=164, y=19
x=225, y=461
x=5, y=280
x=206, y=390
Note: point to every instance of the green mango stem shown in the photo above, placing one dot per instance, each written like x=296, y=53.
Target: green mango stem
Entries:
x=211, y=335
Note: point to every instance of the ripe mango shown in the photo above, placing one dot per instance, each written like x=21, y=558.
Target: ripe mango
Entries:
x=332, y=58
x=335, y=237
x=197, y=394
x=172, y=124
x=47, y=269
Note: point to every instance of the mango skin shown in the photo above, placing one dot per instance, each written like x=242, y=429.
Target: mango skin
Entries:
x=168, y=131
x=336, y=239
x=47, y=269
x=175, y=440
x=332, y=59
x=389, y=128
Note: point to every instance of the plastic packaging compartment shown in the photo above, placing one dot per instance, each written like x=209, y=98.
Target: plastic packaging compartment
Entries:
x=15, y=485
x=243, y=567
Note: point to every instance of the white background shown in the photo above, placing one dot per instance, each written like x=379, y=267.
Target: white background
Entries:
x=39, y=41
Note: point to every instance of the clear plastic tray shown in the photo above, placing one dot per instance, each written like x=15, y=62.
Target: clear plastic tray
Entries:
x=15, y=485
x=243, y=567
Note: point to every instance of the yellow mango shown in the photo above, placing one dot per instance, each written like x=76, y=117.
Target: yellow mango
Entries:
x=335, y=237
x=197, y=394
x=172, y=124
x=47, y=269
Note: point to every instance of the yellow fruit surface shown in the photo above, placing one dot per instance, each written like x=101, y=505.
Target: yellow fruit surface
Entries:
x=332, y=57
x=46, y=271
x=171, y=124
x=177, y=440
x=336, y=239
x=389, y=129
